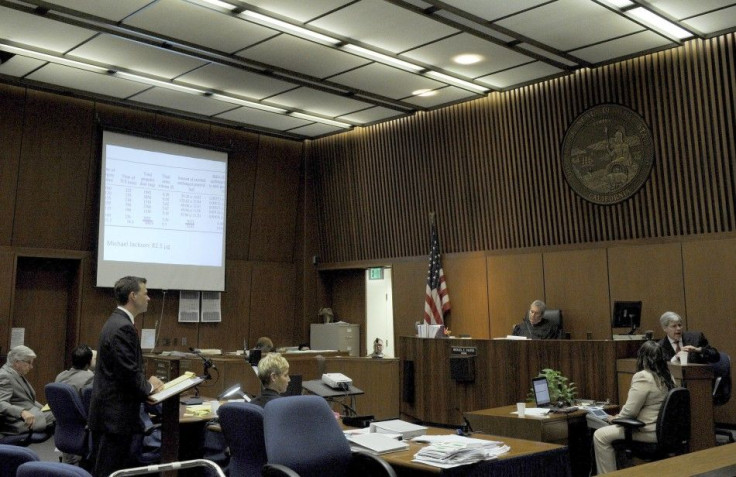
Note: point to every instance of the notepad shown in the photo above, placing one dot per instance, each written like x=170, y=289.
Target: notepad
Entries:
x=376, y=443
x=396, y=426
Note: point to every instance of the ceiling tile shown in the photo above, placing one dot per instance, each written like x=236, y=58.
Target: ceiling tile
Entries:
x=381, y=24
x=520, y=75
x=185, y=21
x=317, y=129
x=553, y=23
x=721, y=20
x=87, y=81
x=385, y=81
x=137, y=57
x=319, y=102
x=377, y=113
x=236, y=81
x=263, y=119
x=36, y=31
x=442, y=52
x=182, y=101
x=681, y=9
x=449, y=94
x=114, y=10
x=289, y=52
x=628, y=45
x=300, y=10
x=19, y=65
x=491, y=11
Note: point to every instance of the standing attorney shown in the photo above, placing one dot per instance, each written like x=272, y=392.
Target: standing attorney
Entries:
x=120, y=385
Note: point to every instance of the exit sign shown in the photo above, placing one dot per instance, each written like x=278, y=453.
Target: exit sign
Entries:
x=375, y=273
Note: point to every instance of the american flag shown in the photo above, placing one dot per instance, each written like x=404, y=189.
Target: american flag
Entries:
x=437, y=300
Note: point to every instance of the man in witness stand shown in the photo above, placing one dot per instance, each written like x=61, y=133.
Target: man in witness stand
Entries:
x=377, y=349
x=80, y=375
x=534, y=325
x=19, y=410
x=120, y=386
x=694, y=342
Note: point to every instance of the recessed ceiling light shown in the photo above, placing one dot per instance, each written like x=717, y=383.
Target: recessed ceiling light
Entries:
x=467, y=59
x=424, y=92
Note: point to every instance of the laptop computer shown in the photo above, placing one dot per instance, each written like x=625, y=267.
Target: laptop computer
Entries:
x=541, y=391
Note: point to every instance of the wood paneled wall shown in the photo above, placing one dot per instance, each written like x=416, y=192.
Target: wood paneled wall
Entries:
x=49, y=180
x=491, y=168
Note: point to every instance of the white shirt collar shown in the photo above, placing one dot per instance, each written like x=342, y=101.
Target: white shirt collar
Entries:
x=130, y=315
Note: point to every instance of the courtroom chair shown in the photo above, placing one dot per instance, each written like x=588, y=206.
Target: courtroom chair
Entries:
x=72, y=433
x=11, y=457
x=722, y=387
x=27, y=438
x=146, y=447
x=242, y=426
x=555, y=317
x=304, y=438
x=51, y=469
x=673, y=430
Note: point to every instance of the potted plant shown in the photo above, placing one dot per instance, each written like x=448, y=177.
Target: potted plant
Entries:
x=561, y=391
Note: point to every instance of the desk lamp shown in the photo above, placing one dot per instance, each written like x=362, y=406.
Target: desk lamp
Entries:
x=234, y=390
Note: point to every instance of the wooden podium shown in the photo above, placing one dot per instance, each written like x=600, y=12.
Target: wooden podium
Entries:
x=698, y=379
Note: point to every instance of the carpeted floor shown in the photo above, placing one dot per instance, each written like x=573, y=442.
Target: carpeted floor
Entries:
x=46, y=451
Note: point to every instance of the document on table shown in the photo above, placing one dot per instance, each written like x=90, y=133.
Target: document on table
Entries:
x=453, y=450
x=535, y=412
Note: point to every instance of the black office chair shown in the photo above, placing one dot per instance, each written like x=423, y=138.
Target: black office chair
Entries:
x=673, y=430
x=722, y=388
x=555, y=317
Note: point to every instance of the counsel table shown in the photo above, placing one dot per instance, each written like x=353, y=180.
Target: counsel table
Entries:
x=526, y=458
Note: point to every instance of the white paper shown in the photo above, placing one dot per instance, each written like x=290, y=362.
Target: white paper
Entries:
x=188, y=306
x=17, y=337
x=148, y=338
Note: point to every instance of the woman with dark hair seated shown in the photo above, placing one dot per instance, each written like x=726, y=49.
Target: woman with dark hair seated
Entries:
x=649, y=388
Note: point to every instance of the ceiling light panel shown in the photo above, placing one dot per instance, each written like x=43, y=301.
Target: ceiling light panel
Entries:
x=553, y=23
x=299, y=10
x=658, y=23
x=184, y=102
x=442, y=52
x=380, y=24
x=289, y=52
x=185, y=21
x=385, y=81
x=448, y=94
x=130, y=55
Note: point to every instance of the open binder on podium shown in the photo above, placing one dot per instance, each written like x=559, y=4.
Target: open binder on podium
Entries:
x=176, y=386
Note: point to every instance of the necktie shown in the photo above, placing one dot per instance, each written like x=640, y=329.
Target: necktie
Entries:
x=677, y=346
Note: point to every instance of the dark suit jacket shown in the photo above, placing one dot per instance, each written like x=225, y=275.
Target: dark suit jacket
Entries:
x=120, y=384
x=694, y=338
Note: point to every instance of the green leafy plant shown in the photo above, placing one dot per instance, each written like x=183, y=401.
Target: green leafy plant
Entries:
x=561, y=391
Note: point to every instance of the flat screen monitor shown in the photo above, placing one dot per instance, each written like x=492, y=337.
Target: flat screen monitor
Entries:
x=541, y=391
x=626, y=314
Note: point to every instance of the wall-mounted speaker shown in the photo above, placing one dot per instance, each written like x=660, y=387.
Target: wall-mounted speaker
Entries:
x=462, y=368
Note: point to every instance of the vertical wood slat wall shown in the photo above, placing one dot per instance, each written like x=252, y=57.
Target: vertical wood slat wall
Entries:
x=491, y=168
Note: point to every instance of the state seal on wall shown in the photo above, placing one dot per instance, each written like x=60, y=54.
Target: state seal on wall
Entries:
x=607, y=154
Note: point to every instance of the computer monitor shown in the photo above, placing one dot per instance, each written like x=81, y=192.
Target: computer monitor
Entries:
x=254, y=356
x=626, y=314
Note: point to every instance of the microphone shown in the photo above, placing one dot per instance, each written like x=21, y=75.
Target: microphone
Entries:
x=207, y=362
x=466, y=428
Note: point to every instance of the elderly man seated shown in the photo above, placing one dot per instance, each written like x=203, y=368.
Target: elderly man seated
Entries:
x=19, y=410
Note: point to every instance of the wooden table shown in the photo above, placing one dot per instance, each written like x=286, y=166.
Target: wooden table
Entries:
x=714, y=462
x=402, y=461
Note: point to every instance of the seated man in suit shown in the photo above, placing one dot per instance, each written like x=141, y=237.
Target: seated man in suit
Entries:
x=79, y=375
x=534, y=325
x=19, y=410
x=694, y=342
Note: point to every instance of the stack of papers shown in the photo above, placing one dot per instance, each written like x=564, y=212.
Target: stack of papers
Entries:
x=376, y=443
x=407, y=430
x=452, y=451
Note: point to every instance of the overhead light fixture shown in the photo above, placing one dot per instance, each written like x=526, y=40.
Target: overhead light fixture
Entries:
x=220, y=3
x=381, y=58
x=424, y=92
x=287, y=27
x=51, y=58
x=658, y=23
x=318, y=119
x=457, y=82
x=467, y=59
